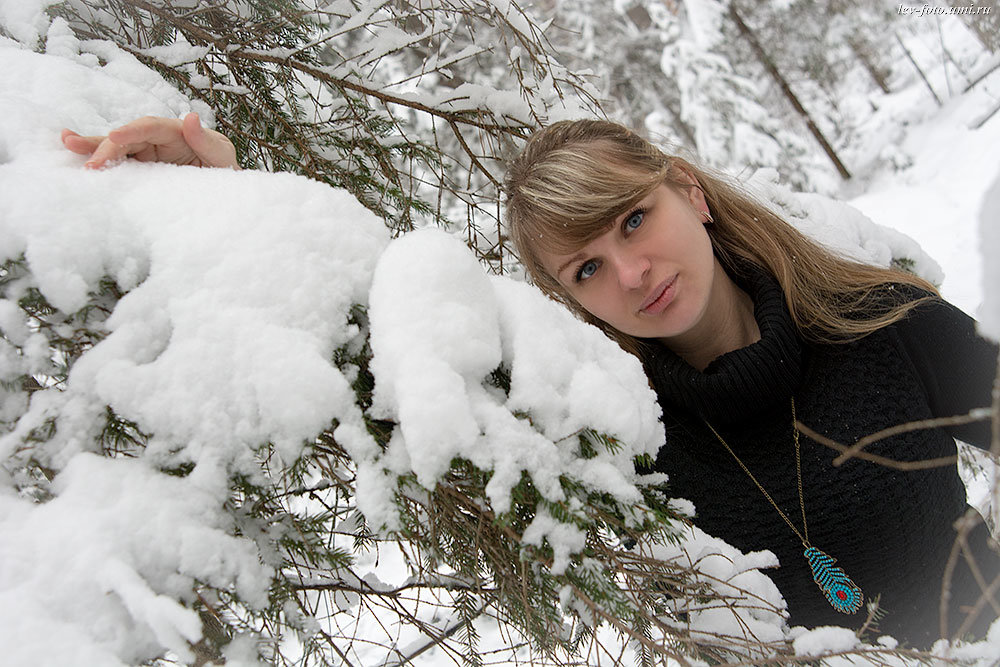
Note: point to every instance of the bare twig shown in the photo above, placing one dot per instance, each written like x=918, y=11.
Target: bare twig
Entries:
x=881, y=460
x=979, y=414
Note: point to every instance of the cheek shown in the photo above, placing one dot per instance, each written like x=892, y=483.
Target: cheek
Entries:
x=600, y=302
x=699, y=248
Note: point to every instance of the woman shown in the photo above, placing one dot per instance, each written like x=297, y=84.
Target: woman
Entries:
x=745, y=326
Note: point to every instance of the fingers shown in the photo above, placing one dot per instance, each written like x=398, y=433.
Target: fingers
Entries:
x=148, y=130
x=105, y=152
x=79, y=144
x=212, y=148
x=147, y=139
x=100, y=149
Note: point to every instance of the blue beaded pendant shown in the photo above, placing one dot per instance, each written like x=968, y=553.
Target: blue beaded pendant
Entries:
x=838, y=588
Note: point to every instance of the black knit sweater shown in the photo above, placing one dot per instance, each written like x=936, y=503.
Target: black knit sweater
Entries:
x=891, y=531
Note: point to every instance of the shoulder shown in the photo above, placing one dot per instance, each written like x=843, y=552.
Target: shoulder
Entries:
x=932, y=329
x=923, y=312
x=931, y=319
x=955, y=364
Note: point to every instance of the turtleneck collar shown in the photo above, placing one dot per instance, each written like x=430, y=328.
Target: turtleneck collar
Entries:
x=743, y=382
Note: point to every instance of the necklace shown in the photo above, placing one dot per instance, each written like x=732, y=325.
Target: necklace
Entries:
x=837, y=587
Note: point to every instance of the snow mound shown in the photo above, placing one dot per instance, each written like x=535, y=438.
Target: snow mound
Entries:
x=753, y=610
x=97, y=574
x=227, y=332
x=236, y=289
x=845, y=230
x=819, y=641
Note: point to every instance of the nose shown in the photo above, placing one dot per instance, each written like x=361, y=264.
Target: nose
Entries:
x=631, y=270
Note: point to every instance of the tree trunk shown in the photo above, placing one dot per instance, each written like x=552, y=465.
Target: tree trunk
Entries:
x=986, y=27
x=877, y=74
x=948, y=55
x=769, y=65
x=919, y=71
x=683, y=128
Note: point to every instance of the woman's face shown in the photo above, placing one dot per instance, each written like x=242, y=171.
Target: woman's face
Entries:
x=651, y=274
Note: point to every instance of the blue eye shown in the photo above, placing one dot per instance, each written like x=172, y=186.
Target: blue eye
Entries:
x=586, y=270
x=633, y=220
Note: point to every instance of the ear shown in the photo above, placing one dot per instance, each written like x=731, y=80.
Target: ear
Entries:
x=695, y=195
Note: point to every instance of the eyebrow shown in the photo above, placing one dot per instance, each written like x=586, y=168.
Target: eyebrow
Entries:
x=580, y=255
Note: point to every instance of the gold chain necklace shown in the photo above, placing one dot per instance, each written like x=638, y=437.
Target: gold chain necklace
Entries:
x=837, y=587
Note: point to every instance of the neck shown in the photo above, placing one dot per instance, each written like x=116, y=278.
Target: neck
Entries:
x=728, y=325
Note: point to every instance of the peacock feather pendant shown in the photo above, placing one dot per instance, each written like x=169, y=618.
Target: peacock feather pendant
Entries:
x=838, y=588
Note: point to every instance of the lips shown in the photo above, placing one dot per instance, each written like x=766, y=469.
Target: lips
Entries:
x=660, y=297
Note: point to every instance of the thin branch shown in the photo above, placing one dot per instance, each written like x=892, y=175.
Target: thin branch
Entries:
x=874, y=458
x=979, y=414
x=519, y=129
x=366, y=589
x=433, y=641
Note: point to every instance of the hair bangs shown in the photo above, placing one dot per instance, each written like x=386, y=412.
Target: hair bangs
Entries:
x=576, y=195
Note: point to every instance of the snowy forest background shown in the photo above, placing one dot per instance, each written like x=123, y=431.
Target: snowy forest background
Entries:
x=239, y=423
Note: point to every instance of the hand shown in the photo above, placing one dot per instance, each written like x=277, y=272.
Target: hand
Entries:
x=152, y=139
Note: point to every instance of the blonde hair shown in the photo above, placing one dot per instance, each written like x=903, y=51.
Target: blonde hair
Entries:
x=574, y=177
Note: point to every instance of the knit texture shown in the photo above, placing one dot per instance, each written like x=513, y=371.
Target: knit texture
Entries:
x=891, y=531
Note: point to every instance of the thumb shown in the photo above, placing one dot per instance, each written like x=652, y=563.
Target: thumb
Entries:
x=212, y=148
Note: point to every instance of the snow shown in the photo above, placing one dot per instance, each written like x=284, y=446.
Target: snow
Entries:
x=471, y=96
x=25, y=20
x=608, y=392
x=565, y=539
x=75, y=92
x=241, y=652
x=844, y=229
x=752, y=608
x=936, y=195
x=825, y=639
x=985, y=651
x=239, y=289
x=435, y=332
x=175, y=54
x=704, y=22
x=108, y=561
x=513, y=15
x=245, y=307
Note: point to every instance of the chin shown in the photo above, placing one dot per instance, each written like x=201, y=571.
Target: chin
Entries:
x=677, y=324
